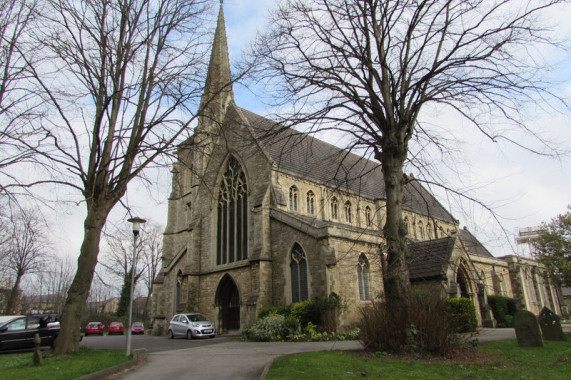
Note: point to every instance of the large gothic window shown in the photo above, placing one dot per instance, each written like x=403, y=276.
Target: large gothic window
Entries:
x=310, y=202
x=363, y=277
x=293, y=198
x=232, y=229
x=298, y=266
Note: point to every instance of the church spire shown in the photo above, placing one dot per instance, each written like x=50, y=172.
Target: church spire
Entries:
x=218, y=88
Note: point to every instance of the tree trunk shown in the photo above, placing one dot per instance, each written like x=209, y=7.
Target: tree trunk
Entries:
x=396, y=278
x=13, y=300
x=68, y=338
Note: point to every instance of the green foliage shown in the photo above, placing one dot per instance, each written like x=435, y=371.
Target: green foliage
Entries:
x=123, y=306
x=553, y=248
x=281, y=310
x=310, y=320
x=462, y=313
x=305, y=312
x=273, y=327
x=503, y=308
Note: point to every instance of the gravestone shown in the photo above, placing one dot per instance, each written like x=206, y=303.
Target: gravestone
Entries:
x=527, y=329
x=550, y=324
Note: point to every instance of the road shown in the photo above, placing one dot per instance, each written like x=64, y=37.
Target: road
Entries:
x=148, y=343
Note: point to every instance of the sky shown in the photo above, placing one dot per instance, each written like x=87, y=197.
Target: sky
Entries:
x=523, y=189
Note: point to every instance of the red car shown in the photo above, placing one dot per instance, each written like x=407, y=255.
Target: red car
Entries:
x=116, y=328
x=94, y=328
x=137, y=328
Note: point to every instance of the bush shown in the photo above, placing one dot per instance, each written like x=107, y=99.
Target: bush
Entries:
x=317, y=316
x=268, y=329
x=421, y=325
x=273, y=310
x=503, y=308
x=462, y=314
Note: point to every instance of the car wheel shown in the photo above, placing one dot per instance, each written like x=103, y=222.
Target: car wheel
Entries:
x=212, y=336
x=170, y=334
x=189, y=334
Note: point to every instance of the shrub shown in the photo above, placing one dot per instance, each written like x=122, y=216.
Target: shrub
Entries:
x=279, y=310
x=268, y=329
x=462, y=314
x=503, y=308
x=305, y=312
x=420, y=325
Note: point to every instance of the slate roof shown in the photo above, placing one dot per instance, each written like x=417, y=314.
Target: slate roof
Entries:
x=473, y=246
x=427, y=258
x=309, y=157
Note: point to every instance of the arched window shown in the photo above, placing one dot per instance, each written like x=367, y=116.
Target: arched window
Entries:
x=293, y=198
x=347, y=207
x=420, y=230
x=298, y=266
x=407, y=225
x=232, y=229
x=334, y=208
x=428, y=231
x=310, y=202
x=363, y=277
x=368, y=217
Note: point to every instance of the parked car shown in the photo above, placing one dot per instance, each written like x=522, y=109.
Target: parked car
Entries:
x=17, y=331
x=191, y=325
x=94, y=328
x=116, y=328
x=138, y=328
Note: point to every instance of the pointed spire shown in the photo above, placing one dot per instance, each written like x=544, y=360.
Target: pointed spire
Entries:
x=218, y=88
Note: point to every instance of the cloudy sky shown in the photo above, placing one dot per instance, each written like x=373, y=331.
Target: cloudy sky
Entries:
x=524, y=189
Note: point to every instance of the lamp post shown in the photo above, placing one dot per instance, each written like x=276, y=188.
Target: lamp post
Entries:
x=136, y=227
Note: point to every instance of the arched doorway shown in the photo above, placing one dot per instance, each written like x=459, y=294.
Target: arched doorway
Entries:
x=228, y=303
x=463, y=281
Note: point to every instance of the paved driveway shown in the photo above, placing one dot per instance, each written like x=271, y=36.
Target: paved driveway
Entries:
x=147, y=343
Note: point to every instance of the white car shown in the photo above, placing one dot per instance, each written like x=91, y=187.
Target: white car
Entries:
x=191, y=325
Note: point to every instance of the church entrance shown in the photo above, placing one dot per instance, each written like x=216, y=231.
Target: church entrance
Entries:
x=228, y=303
x=463, y=282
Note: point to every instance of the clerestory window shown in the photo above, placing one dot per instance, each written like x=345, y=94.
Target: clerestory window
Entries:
x=348, y=215
x=334, y=208
x=293, y=193
x=310, y=200
x=368, y=216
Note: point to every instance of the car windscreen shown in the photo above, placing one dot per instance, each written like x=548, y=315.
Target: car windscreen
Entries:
x=196, y=317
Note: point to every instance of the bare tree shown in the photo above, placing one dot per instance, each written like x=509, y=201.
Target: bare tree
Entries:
x=367, y=68
x=151, y=254
x=26, y=251
x=54, y=280
x=118, y=260
x=19, y=104
x=121, y=78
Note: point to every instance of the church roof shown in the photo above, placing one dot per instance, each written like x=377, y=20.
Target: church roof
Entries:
x=473, y=245
x=307, y=156
x=427, y=258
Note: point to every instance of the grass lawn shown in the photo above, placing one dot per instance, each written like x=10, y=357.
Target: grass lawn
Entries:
x=499, y=360
x=20, y=366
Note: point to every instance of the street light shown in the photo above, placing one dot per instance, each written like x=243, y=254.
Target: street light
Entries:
x=136, y=227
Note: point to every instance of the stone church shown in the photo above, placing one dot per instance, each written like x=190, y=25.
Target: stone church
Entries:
x=258, y=218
